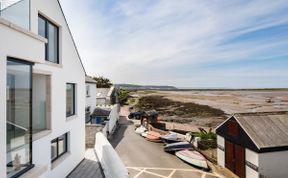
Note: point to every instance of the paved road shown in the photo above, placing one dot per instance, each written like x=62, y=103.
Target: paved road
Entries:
x=147, y=159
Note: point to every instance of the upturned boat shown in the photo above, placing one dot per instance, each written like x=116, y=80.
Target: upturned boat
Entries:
x=193, y=157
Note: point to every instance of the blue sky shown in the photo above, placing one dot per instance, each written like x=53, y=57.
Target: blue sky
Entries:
x=185, y=43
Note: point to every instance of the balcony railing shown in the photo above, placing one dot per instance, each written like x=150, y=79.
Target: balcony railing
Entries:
x=16, y=11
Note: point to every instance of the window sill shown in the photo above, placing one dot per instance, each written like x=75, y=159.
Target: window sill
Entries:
x=53, y=64
x=39, y=135
x=36, y=171
x=60, y=160
x=69, y=118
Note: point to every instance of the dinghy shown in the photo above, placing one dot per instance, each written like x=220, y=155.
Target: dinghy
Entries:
x=193, y=157
x=140, y=130
x=153, y=136
x=177, y=146
x=144, y=134
x=172, y=138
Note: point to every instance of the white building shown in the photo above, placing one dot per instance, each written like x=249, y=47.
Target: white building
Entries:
x=90, y=96
x=42, y=128
x=106, y=96
x=254, y=145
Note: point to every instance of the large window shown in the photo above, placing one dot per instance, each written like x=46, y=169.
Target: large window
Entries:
x=59, y=146
x=50, y=31
x=19, y=117
x=70, y=99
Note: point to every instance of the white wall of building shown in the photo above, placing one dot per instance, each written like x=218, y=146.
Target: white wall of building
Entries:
x=253, y=158
x=30, y=47
x=91, y=99
x=274, y=164
x=221, y=153
x=3, y=113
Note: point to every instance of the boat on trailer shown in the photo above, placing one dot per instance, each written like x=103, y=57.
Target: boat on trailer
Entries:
x=172, y=147
x=194, y=158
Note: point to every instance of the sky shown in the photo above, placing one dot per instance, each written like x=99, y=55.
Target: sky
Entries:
x=183, y=43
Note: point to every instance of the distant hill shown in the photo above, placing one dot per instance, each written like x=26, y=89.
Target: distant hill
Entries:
x=144, y=87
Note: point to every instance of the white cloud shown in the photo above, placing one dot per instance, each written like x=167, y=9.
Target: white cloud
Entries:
x=127, y=40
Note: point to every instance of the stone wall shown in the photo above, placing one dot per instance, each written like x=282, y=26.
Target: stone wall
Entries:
x=91, y=130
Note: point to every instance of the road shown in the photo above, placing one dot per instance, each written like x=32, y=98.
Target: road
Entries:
x=146, y=159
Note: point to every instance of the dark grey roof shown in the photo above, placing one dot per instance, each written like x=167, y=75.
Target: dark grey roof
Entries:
x=101, y=112
x=89, y=79
x=266, y=130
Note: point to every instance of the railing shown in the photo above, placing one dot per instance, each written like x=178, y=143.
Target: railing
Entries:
x=16, y=11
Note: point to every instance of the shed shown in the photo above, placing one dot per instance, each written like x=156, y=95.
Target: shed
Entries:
x=254, y=145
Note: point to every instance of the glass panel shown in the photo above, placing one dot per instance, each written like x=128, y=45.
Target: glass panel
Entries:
x=41, y=27
x=62, y=144
x=18, y=116
x=70, y=110
x=54, y=150
x=41, y=102
x=16, y=11
x=52, y=43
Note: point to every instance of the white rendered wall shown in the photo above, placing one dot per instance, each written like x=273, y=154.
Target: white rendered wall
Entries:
x=253, y=158
x=3, y=114
x=274, y=164
x=60, y=75
x=91, y=99
x=220, y=153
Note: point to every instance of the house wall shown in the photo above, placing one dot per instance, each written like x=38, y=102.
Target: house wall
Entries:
x=25, y=45
x=274, y=164
x=220, y=152
x=253, y=158
x=91, y=100
x=3, y=113
x=101, y=101
x=60, y=75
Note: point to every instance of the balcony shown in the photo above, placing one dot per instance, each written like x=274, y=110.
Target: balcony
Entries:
x=16, y=11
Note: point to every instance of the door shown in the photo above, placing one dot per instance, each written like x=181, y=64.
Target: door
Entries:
x=239, y=161
x=235, y=158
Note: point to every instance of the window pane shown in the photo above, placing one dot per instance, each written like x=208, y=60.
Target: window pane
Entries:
x=52, y=43
x=62, y=144
x=53, y=150
x=18, y=104
x=70, y=110
x=41, y=27
x=41, y=102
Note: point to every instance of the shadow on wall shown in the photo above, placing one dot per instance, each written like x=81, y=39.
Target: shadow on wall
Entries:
x=119, y=134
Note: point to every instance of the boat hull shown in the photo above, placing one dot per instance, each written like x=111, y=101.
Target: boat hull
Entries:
x=177, y=146
x=194, y=158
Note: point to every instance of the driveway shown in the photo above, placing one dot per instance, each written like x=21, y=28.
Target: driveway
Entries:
x=146, y=159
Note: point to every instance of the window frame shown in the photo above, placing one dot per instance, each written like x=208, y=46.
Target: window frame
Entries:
x=74, y=100
x=30, y=165
x=56, y=140
x=47, y=22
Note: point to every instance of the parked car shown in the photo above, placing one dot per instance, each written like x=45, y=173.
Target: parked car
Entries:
x=135, y=115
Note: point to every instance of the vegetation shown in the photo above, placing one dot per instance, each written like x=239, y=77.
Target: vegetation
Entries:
x=103, y=82
x=123, y=95
x=174, y=108
x=204, y=135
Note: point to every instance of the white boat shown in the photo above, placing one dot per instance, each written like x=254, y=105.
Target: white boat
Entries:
x=193, y=157
x=144, y=134
x=140, y=130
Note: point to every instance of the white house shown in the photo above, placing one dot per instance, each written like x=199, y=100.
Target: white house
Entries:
x=106, y=96
x=254, y=145
x=90, y=96
x=42, y=130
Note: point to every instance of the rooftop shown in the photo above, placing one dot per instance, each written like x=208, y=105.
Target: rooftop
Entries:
x=266, y=129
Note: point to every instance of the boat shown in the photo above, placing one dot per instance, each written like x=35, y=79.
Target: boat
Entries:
x=172, y=147
x=194, y=158
x=172, y=137
x=153, y=136
x=140, y=130
x=144, y=134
